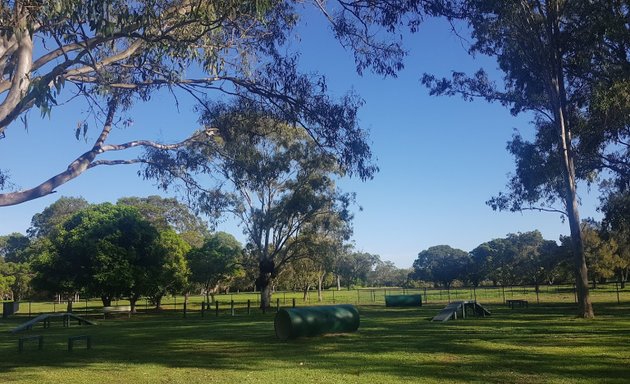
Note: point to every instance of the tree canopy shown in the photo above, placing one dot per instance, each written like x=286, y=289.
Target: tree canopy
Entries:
x=216, y=262
x=103, y=250
x=113, y=54
x=441, y=264
x=276, y=180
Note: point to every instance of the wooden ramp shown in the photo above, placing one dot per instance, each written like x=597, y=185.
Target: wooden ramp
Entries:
x=452, y=310
x=46, y=317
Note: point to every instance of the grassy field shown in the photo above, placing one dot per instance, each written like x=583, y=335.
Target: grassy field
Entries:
x=540, y=344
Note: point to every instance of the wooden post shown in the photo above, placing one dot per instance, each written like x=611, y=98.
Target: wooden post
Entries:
x=232, y=307
x=249, y=305
x=294, y=301
x=277, y=305
x=216, y=306
x=203, y=309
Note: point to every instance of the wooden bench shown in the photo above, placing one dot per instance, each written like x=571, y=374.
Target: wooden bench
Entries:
x=519, y=303
x=72, y=339
x=39, y=338
x=118, y=309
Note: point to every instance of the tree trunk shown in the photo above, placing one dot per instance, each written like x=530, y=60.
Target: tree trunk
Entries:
x=133, y=299
x=69, y=307
x=305, y=298
x=208, y=296
x=264, y=282
x=623, y=276
x=107, y=301
x=157, y=300
x=558, y=100
x=320, y=279
x=338, y=283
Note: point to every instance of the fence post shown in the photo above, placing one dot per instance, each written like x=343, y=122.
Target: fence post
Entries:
x=232, y=307
x=294, y=302
x=249, y=305
x=203, y=309
x=216, y=306
x=358, y=297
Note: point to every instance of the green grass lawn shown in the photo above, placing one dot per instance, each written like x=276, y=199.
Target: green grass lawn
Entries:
x=539, y=344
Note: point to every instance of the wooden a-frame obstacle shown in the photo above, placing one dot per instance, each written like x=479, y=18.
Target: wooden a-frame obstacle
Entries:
x=454, y=309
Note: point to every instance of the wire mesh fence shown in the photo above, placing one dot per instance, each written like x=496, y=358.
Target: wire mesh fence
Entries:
x=246, y=302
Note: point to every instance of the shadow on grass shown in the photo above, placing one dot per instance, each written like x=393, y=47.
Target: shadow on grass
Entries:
x=533, y=345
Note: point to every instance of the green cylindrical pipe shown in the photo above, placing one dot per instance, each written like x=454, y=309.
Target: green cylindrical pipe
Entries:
x=403, y=301
x=312, y=321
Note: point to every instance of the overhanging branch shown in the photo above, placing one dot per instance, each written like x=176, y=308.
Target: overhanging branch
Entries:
x=87, y=161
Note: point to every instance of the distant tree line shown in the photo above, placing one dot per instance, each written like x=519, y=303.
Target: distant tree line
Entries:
x=528, y=259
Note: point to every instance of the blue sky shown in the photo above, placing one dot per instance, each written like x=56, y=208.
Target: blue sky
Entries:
x=440, y=159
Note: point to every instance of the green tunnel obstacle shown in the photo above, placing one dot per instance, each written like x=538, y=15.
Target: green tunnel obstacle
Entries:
x=403, y=301
x=312, y=321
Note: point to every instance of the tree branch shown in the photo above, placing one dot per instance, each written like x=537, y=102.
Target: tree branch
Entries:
x=87, y=160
